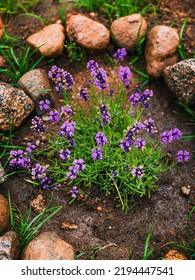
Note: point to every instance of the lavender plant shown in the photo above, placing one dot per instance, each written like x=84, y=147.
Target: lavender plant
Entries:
x=102, y=138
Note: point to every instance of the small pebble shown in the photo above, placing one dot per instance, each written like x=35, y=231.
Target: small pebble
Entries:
x=185, y=190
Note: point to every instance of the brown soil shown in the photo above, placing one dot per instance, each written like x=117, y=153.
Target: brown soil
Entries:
x=105, y=232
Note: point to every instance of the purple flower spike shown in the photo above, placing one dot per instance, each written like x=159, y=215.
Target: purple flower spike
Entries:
x=67, y=129
x=54, y=116
x=61, y=78
x=96, y=154
x=18, y=160
x=126, y=144
x=140, y=143
x=74, y=192
x=104, y=114
x=37, y=124
x=65, y=154
x=38, y=171
x=67, y=110
x=100, y=139
x=125, y=75
x=78, y=165
x=149, y=126
x=46, y=183
x=44, y=105
x=183, y=156
x=84, y=95
x=30, y=147
x=101, y=79
x=138, y=172
x=120, y=54
x=170, y=136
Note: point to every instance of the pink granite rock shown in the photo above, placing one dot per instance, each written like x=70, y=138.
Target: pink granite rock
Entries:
x=9, y=246
x=88, y=33
x=127, y=29
x=161, y=49
x=4, y=213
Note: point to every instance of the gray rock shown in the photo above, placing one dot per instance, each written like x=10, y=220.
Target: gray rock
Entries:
x=161, y=49
x=180, y=79
x=36, y=84
x=9, y=246
x=48, y=246
x=2, y=174
x=15, y=106
x=4, y=213
x=127, y=29
x=88, y=33
x=49, y=41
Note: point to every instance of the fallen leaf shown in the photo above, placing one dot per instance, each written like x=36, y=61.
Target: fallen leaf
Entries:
x=38, y=204
x=69, y=225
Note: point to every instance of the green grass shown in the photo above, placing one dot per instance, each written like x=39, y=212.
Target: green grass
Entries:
x=12, y=6
x=180, y=48
x=75, y=53
x=19, y=63
x=25, y=226
x=118, y=8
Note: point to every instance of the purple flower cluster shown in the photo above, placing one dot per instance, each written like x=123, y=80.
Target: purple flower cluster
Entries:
x=84, y=95
x=30, y=147
x=37, y=124
x=125, y=75
x=67, y=129
x=96, y=154
x=100, y=139
x=104, y=114
x=170, y=136
x=46, y=183
x=114, y=173
x=101, y=79
x=39, y=171
x=61, y=78
x=74, y=192
x=54, y=116
x=183, y=156
x=120, y=54
x=126, y=144
x=65, y=154
x=44, y=105
x=78, y=165
x=149, y=126
x=140, y=143
x=67, y=110
x=138, y=172
x=18, y=160
x=93, y=66
x=141, y=98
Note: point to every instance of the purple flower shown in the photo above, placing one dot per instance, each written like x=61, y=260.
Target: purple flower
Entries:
x=144, y=97
x=67, y=110
x=114, y=173
x=96, y=154
x=134, y=98
x=54, y=116
x=170, y=136
x=175, y=133
x=44, y=105
x=65, y=154
x=67, y=129
x=74, y=192
x=126, y=144
x=165, y=137
x=78, y=165
x=84, y=95
x=17, y=160
x=140, y=143
x=57, y=187
x=129, y=134
x=93, y=66
x=71, y=142
x=38, y=171
x=149, y=126
x=104, y=114
x=37, y=124
x=120, y=54
x=61, y=78
x=125, y=75
x=183, y=156
x=137, y=126
x=46, y=183
x=30, y=147
x=111, y=92
x=138, y=172
x=100, y=139
x=100, y=79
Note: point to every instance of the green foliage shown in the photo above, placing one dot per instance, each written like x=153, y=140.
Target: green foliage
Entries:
x=12, y=6
x=75, y=53
x=25, y=226
x=118, y=8
x=180, y=48
x=19, y=63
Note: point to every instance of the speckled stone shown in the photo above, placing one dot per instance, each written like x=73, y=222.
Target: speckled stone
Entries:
x=9, y=246
x=161, y=49
x=180, y=78
x=4, y=213
x=49, y=41
x=48, y=246
x=36, y=84
x=2, y=174
x=126, y=29
x=88, y=33
x=15, y=106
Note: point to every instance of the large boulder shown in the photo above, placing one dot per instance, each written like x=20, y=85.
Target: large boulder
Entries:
x=127, y=30
x=161, y=49
x=88, y=33
x=15, y=106
x=48, y=246
x=4, y=213
x=180, y=79
x=49, y=41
